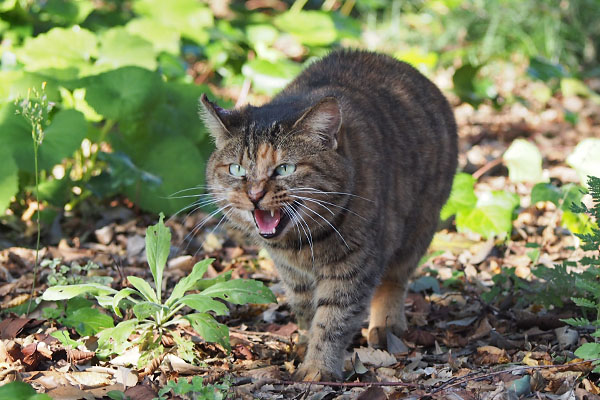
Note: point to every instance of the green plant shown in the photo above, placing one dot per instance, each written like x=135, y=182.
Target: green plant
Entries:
x=195, y=389
x=61, y=274
x=153, y=316
x=21, y=391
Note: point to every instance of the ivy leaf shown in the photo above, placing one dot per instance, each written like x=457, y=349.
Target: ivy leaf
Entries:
x=524, y=162
x=545, y=192
x=202, y=303
x=187, y=283
x=462, y=197
x=158, y=244
x=210, y=329
x=241, y=291
x=492, y=215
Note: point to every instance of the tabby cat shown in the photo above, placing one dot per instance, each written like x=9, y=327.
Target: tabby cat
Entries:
x=341, y=177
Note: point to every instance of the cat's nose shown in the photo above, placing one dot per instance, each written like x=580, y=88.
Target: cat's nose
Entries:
x=255, y=194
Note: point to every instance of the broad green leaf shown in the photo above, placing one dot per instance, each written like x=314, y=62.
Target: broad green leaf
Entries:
x=241, y=291
x=114, y=340
x=123, y=93
x=206, y=283
x=69, y=291
x=202, y=303
x=9, y=178
x=524, y=162
x=15, y=134
x=163, y=38
x=64, y=337
x=588, y=351
x=21, y=391
x=492, y=215
x=269, y=77
x=462, y=196
x=143, y=287
x=571, y=195
x=543, y=70
x=425, y=283
x=261, y=33
x=120, y=48
x=500, y=198
x=158, y=244
x=576, y=223
x=545, y=192
x=209, y=329
x=586, y=159
x=88, y=321
x=178, y=163
x=123, y=294
x=188, y=17
x=418, y=58
x=59, y=48
x=187, y=283
x=55, y=191
x=62, y=137
x=146, y=309
x=312, y=28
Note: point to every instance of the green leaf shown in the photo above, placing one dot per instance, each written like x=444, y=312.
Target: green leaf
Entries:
x=312, y=28
x=124, y=93
x=462, y=197
x=88, y=321
x=188, y=17
x=146, y=309
x=241, y=291
x=62, y=137
x=188, y=282
x=202, y=303
x=69, y=291
x=55, y=191
x=206, y=283
x=64, y=337
x=583, y=302
x=144, y=288
x=588, y=351
x=162, y=37
x=59, y=48
x=585, y=159
x=21, y=391
x=158, y=245
x=114, y=340
x=425, y=283
x=120, y=48
x=9, y=178
x=123, y=294
x=524, y=162
x=492, y=215
x=209, y=329
x=269, y=77
x=545, y=192
x=543, y=70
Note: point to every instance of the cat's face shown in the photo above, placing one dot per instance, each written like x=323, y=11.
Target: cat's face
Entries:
x=270, y=178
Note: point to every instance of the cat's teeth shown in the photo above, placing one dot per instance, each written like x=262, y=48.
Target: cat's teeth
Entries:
x=272, y=215
x=273, y=231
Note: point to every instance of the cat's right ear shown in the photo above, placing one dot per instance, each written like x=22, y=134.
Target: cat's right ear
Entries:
x=215, y=119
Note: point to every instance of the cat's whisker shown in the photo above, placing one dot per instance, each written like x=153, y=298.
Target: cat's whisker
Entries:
x=289, y=212
x=308, y=235
x=321, y=202
x=312, y=201
x=204, y=221
x=318, y=191
x=225, y=215
x=324, y=219
x=192, y=188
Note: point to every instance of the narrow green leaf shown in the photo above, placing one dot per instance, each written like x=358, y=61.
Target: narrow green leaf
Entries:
x=64, y=337
x=202, y=303
x=187, y=283
x=114, y=340
x=146, y=309
x=144, y=288
x=69, y=291
x=123, y=293
x=241, y=291
x=158, y=244
x=210, y=329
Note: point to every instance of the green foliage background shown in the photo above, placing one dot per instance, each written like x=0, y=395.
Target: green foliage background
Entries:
x=123, y=77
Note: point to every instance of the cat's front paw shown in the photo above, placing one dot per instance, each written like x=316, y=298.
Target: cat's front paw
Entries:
x=313, y=372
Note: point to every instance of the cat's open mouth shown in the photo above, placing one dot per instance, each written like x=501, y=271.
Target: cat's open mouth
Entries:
x=270, y=223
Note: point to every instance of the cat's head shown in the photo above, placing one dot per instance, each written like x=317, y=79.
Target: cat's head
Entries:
x=274, y=165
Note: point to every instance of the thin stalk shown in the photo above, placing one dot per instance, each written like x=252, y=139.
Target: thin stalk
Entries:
x=103, y=133
x=39, y=231
x=298, y=5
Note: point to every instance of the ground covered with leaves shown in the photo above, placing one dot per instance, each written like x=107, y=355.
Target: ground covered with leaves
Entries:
x=486, y=314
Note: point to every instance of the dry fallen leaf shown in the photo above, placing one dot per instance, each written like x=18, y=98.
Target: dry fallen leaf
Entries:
x=375, y=357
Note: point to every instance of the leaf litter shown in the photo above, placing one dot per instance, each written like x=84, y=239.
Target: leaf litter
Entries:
x=459, y=345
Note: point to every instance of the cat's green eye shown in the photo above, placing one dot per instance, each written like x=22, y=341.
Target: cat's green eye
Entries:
x=237, y=170
x=285, y=169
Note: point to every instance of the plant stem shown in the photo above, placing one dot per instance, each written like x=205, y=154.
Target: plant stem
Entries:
x=39, y=232
x=298, y=5
x=108, y=125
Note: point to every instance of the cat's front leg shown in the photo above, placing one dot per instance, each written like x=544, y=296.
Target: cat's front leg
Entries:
x=341, y=300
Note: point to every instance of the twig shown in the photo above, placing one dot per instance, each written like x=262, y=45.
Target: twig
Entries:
x=347, y=384
x=477, y=174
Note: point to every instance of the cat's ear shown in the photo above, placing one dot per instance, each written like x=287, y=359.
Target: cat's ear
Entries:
x=215, y=118
x=324, y=120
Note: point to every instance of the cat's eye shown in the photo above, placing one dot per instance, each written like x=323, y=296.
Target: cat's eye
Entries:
x=237, y=170
x=285, y=169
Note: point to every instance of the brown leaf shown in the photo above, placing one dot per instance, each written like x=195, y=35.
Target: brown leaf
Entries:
x=420, y=338
x=243, y=352
x=270, y=372
x=490, y=355
x=283, y=330
x=373, y=393
x=31, y=357
x=483, y=329
x=69, y=393
x=11, y=327
x=79, y=356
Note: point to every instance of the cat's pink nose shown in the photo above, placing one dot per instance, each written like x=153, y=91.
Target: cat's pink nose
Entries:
x=255, y=194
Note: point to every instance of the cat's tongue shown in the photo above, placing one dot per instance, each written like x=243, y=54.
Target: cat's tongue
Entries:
x=267, y=221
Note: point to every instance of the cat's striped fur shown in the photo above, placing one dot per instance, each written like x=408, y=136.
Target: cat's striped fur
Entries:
x=374, y=145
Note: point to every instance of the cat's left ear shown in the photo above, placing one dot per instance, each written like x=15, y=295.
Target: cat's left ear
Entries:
x=323, y=120
x=215, y=119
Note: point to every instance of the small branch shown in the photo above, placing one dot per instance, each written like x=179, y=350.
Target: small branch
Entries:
x=481, y=171
x=347, y=384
